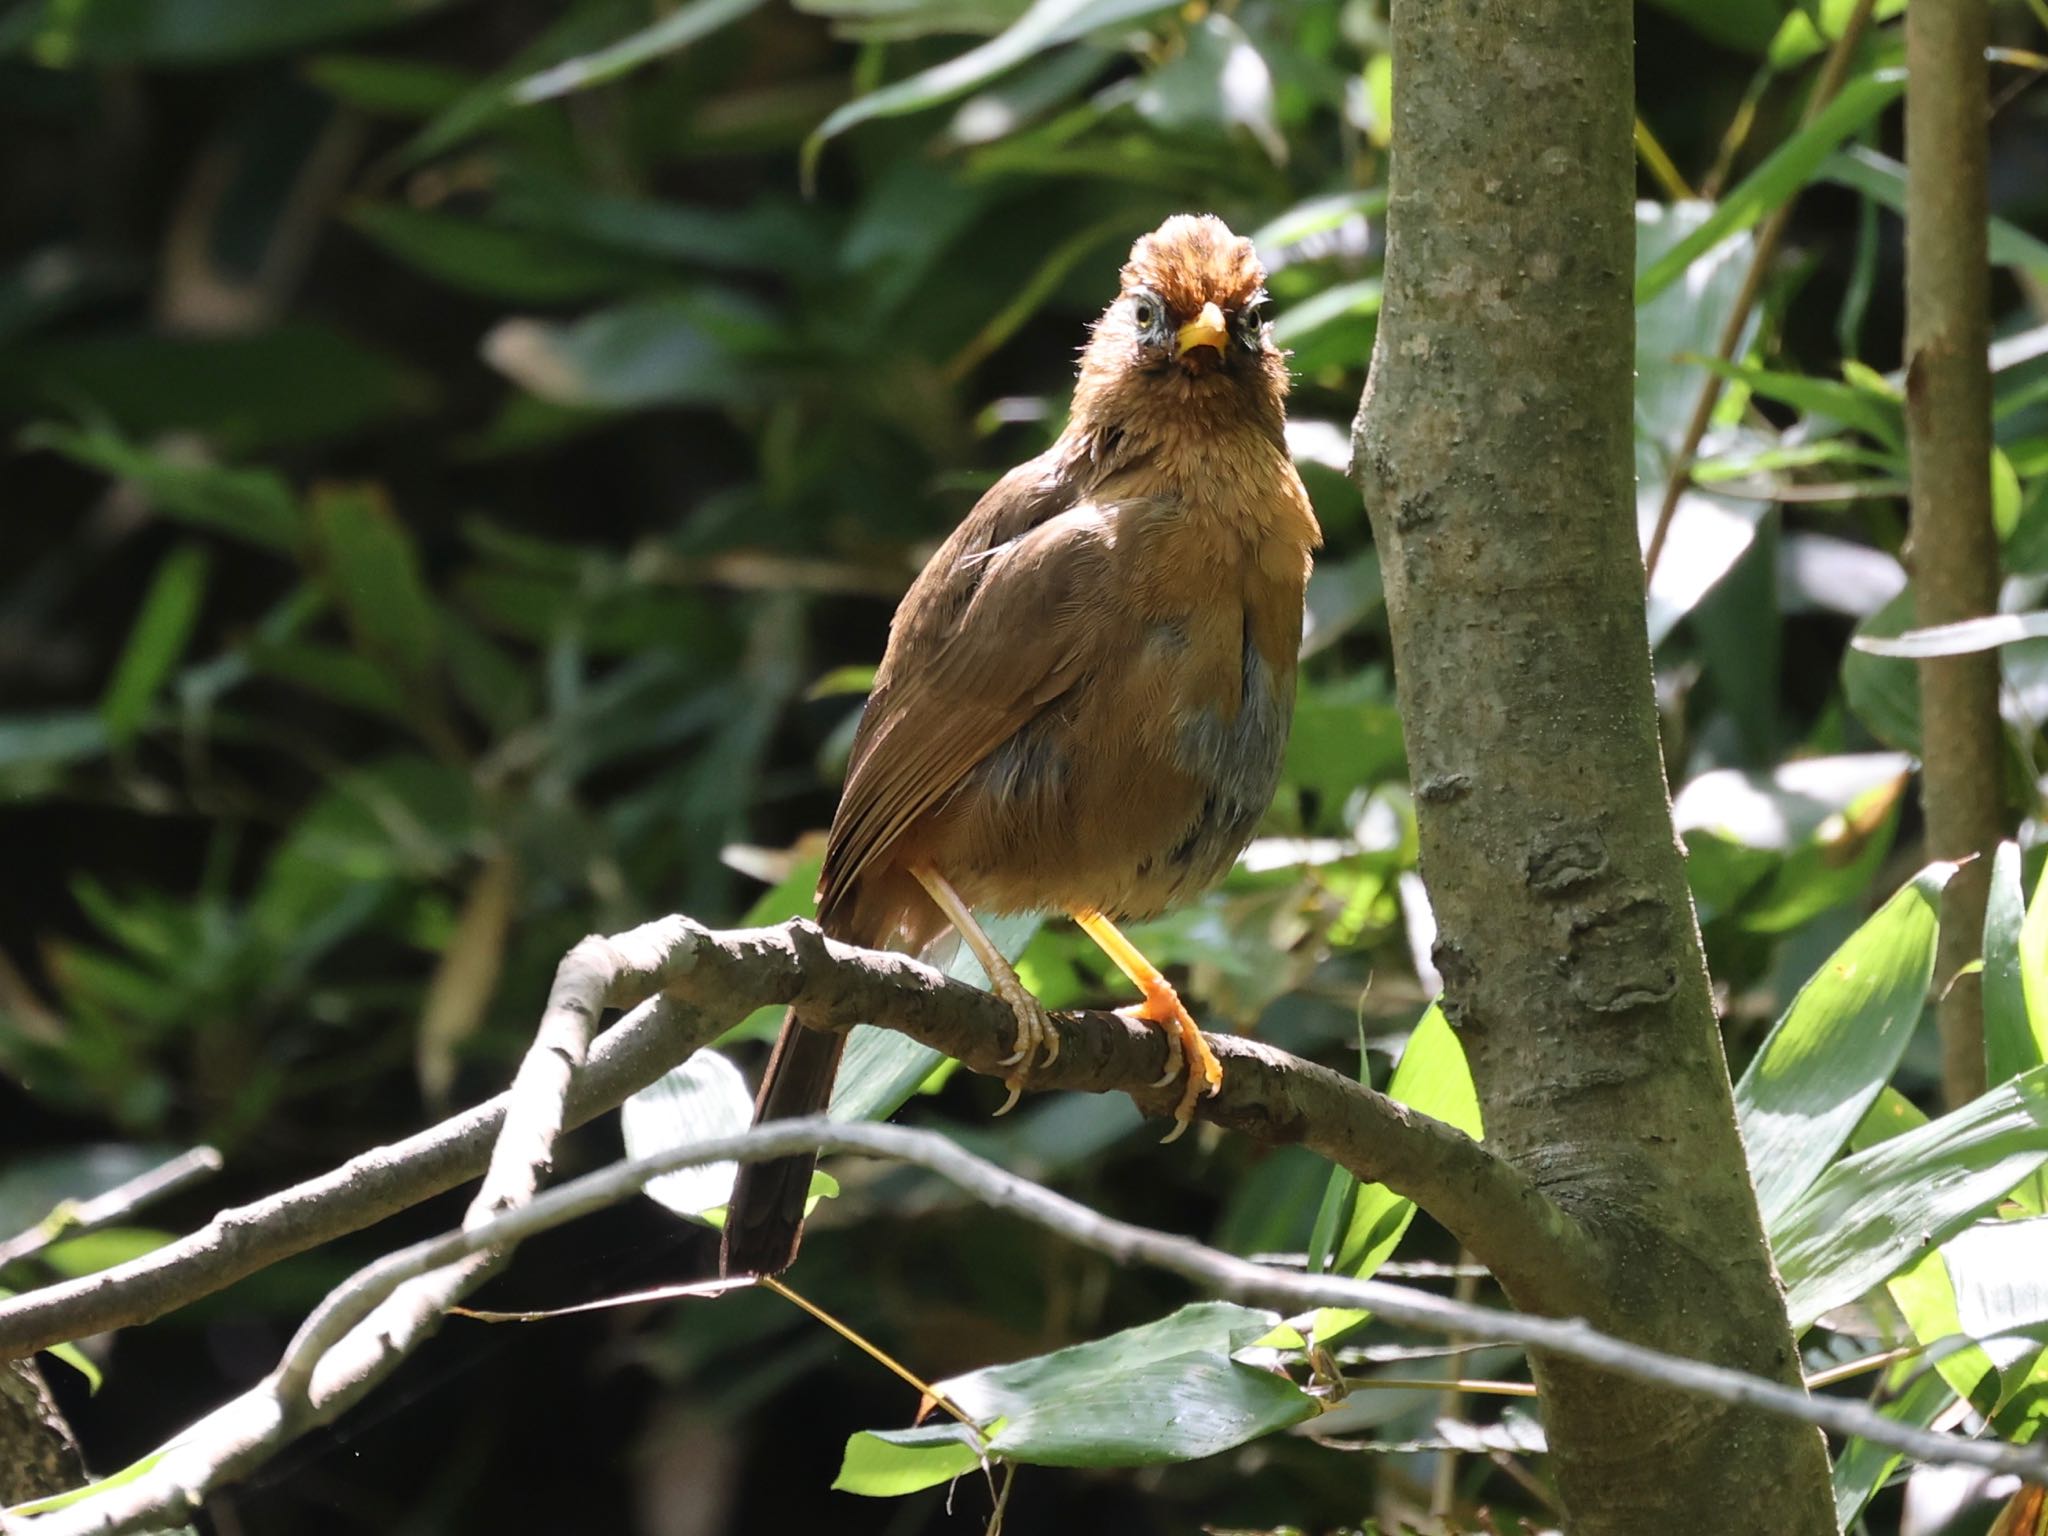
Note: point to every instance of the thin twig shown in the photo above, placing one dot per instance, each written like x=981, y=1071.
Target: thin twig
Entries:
x=241, y=1435
x=1833, y=74
x=75, y=1218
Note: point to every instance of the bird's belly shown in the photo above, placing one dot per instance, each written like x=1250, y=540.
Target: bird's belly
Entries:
x=1121, y=797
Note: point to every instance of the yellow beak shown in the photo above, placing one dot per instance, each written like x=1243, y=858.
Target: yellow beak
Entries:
x=1205, y=330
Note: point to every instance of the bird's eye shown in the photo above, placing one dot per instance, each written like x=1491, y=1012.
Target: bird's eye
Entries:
x=1144, y=312
x=1251, y=320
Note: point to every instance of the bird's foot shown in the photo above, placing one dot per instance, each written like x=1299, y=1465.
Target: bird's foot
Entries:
x=1036, y=1037
x=1188, y=1054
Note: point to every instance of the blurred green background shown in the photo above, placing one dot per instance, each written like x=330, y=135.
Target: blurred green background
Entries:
x=462, y=460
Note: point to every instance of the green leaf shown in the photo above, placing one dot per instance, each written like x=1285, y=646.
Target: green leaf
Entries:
x=1709, y=533
x=1875, y=1212
x=294, y=383
x=1960, y=638
x=1047, y=24
x=1432, y=1077
x=521, y=266
x=882, y=1068
x=156, y=641
x=371, y=568
x=677, y=29
x=1838, y=1044
x=1747, y=25
x=2000, y=1273
x=80, y=1362
x=1791, y=166
x=888, y=1463
x=2015, y=944
x=1877, y=415
x=695, y=349
x=704, y=1098
x=1886, y=698
x=1883, y=180
x=1864, y=1466
x=251, y=504
x=1165, y=1391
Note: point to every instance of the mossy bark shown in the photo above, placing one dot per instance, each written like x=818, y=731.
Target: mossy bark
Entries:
x=1494, y=452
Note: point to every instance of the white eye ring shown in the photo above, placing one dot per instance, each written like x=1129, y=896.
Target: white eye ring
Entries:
x=1145, y=313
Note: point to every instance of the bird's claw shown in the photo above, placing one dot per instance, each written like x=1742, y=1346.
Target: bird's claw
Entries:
x=1036, y=1037
x=1187, y=1052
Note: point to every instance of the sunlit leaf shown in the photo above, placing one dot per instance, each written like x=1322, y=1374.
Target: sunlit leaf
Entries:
x=1875, y=1212
x=704, y=1098
x=888, y=1463
x=1838, y=1044
x=1165, y=1391
x=1958, y=639
x=681, y=26
x=1047, y=24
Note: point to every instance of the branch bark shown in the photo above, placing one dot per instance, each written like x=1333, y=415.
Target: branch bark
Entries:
x=298, y=1394
x=1955, y=547
x=712, y=978
x=1493, y=449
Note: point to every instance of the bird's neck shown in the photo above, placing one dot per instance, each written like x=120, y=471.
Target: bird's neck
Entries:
x=1220, y=458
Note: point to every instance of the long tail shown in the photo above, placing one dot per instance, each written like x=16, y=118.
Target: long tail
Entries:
x=765, y=1221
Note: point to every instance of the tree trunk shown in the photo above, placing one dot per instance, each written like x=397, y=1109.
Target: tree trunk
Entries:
x=1955, y=548
x=1493, y=450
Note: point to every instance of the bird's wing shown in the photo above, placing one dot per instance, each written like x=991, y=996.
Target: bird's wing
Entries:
x=1004, y=619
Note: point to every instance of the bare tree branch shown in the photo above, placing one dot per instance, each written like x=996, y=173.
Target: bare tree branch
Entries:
x=715, y=977
x=297, y=1396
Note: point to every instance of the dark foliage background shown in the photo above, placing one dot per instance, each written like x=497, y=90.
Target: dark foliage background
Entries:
x=459, y=482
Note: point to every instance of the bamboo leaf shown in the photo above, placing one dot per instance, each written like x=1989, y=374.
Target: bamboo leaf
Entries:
x=1838, y=1044
x=1873, y=1213
x=1791, y=166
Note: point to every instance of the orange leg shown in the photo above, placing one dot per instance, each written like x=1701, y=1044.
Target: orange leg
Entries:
x=1162, y=1006
x=1034, y=1026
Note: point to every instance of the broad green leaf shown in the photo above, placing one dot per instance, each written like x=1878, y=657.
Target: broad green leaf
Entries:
x=156, y=641
x=1926, y=1297
x=888, y=1463
x=371, y=568
x=1892, y=1114
x=103, y=1248
x=704, y=1098
x=2000, y=1273
x=678, y=28
x=1047, y=24
x=1838, y=1044
x=881, y=1068
x=1791, y=166
x=251, y=504
x=1875, y=1212
x=1317, y=216
x=2015, y=986
x=1165, y=1391
x=1958, y=639
x=1810, y=25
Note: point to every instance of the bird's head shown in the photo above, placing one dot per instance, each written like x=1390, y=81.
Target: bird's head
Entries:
x=1184, y=354
x=1188, y=323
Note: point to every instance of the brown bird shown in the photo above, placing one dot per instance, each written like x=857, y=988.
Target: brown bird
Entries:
x=1086, y=691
